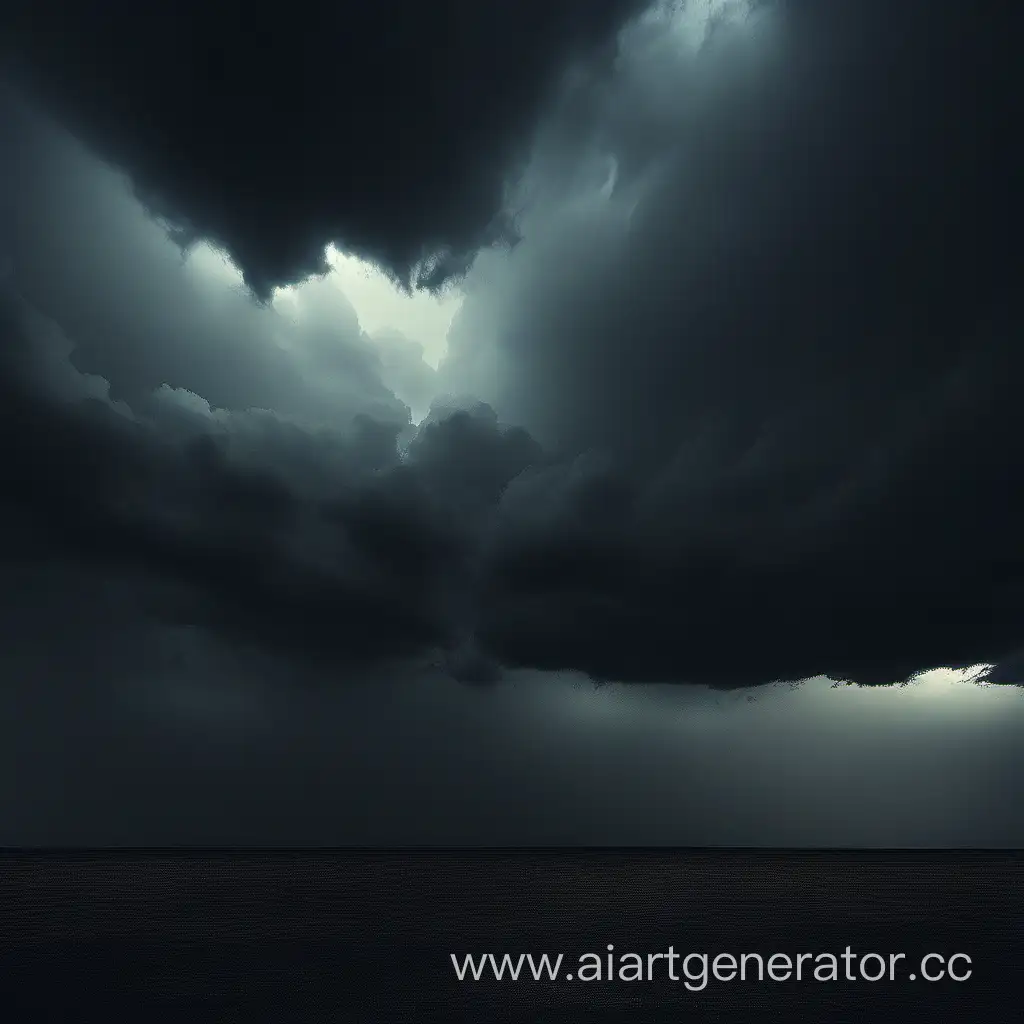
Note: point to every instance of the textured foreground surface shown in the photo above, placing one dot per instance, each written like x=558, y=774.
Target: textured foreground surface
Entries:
x=366, y=937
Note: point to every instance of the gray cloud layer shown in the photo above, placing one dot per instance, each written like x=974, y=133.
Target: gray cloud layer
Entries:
x=739, y=405
x=773, y=283
x=760, y=320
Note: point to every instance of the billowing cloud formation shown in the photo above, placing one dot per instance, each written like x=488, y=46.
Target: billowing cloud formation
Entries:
x=757, y=336
x=767, y=294
x=246, y=467
x=387, y=128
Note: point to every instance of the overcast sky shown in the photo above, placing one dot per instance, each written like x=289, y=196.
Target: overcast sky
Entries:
x=453, y=428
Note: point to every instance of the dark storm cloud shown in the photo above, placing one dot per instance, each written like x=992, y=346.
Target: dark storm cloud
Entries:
x=758, y=335
x=758, y=344
x=385, y=127
x=240, y=466
x=771, y=279
x=87, y=484
x=323, y=543
x=142, y=316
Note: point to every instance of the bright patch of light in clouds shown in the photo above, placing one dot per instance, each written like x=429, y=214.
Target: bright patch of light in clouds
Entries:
x=214, y=263
x=943, y=682
x=381, y=306
x=939, y=690
x=690, y=21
